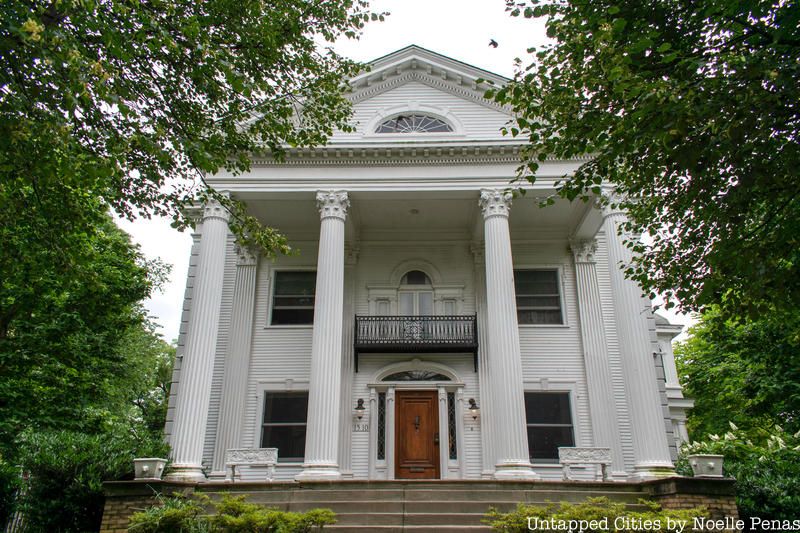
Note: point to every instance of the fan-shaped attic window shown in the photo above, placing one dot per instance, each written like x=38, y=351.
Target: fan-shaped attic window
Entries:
x=414, y=123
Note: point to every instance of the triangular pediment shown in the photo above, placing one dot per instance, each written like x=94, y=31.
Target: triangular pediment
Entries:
x=417, y=82
x=417, y=64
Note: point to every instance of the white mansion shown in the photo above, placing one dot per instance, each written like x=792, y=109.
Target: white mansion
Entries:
x=427, y=328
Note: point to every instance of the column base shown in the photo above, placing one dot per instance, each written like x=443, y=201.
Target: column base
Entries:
x=515, y=470
x=186, y=472
x=319, y=472
x=647, y=471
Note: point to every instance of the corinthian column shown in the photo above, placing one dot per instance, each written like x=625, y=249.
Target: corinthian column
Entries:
x=194, y=388
x=324, y=394
x=651, y=450
x=237, y=358
x=602, y=405
x=504, y=360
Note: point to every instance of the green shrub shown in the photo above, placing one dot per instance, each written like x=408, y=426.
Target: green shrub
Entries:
x=64, y=492
x=9, y=484
x=597, y=515
x=232, y=515
x=766, y=465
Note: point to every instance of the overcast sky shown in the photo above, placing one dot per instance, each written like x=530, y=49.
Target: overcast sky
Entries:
x=460, y=29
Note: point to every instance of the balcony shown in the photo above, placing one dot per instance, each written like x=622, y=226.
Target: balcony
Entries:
x=409, y=334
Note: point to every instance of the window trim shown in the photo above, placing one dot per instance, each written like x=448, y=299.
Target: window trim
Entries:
x=275, y=386
x=570, y=387
x=574, y=425
x=559, y=268
x=271, y=297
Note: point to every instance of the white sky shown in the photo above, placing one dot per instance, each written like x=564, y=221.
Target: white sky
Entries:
x=460, y=29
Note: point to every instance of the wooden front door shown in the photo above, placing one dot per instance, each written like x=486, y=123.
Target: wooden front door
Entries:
x=417, y=435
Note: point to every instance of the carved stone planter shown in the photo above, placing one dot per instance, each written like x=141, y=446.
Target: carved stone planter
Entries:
x=149, y=468
x=706, y=465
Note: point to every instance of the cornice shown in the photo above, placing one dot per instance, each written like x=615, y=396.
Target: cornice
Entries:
x=400, y=156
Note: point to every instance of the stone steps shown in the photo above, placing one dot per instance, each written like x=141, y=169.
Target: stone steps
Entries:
x=424, y=507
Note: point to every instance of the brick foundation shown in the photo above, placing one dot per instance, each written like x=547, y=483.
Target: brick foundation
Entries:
x=716, y=495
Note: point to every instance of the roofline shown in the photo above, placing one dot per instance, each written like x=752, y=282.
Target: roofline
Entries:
x=437, y=54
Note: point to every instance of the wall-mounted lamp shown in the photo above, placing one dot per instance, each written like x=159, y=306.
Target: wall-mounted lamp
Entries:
x=360, y=409
x=473, y=408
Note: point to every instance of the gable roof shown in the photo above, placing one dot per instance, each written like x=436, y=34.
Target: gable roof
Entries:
x=414, y=63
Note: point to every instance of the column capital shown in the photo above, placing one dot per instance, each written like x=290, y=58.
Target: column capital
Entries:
x=245, y=255
x=332, y=204
x=495, y=202
x=214, y=209
x=584, y=250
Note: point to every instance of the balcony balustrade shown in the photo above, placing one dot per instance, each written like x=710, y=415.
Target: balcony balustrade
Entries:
x=423, y=334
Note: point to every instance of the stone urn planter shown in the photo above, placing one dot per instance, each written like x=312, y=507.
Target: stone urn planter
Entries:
x=150, y=468
x=706, y=465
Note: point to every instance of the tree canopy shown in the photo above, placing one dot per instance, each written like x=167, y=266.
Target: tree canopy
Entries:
x=746, y=372
x=132, y=103
x=691, y=111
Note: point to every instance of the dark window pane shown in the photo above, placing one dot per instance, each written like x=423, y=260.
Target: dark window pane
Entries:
x=416, y=277
x=538, y=301
x=525, y=316
x=292, y=316
x=545, y=441
x=536, y=281
x=295, y=283
x=547, y=408
x=290, y=441
x=285, y=407
x=381, y=426
x=294, y=301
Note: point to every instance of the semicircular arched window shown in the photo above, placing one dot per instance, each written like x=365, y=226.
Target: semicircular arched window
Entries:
x=415, y=277
x=414, y=123
x=416, y=375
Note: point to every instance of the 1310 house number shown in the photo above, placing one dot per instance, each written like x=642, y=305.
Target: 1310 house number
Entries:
x=361, y=428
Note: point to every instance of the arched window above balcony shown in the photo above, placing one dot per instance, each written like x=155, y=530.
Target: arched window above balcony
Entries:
x=415, y=277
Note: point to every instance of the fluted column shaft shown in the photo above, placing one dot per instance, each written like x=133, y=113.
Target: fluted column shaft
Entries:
x=651, y=449
x=602, y=404
x=324, y=395
x=237, y=358
x=194, y=388
x=513, y=459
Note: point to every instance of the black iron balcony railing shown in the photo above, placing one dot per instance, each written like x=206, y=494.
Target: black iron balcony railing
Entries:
x=439, y=334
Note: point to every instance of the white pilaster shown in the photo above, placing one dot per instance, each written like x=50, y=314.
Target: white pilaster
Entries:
x=348, y=402
x=602, y=405
x=489, y=432
x=194, y=389
x=513, y=459
x=444, y=448
x=324, y=395
x=390, y=430
x=651, y=449
x=237, y=359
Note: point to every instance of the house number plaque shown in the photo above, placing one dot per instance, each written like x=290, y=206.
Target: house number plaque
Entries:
x=361, y=428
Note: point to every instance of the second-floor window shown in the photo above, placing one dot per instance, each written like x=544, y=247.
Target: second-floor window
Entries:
x=293, y=297
x=538, y=297
x=416, y=294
